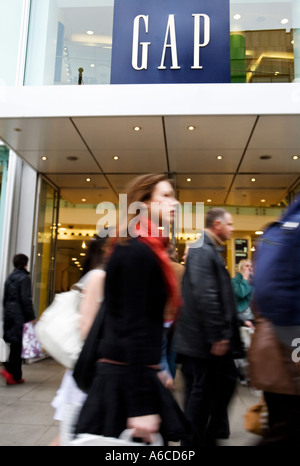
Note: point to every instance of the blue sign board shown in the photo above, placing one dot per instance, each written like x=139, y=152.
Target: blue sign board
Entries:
x=171, y=41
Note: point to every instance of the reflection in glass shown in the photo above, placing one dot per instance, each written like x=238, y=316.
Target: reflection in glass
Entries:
x=262, y=41
x=45, y=247
x=69, y=42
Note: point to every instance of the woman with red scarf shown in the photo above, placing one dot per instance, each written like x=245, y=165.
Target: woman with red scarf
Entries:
x=140, y=285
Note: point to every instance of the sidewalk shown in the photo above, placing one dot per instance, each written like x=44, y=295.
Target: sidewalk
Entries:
x=26, y=415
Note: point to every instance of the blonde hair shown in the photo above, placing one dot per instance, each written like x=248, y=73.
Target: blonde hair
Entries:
x=242, y=263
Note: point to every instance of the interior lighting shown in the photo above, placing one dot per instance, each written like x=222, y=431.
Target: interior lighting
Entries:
x=253, y=180
x=92, y=65
x=88, y=180
x=83, y=245
x=44, y=157
x=262, y=200
x=295, y=157
x=189, y=180
x=74, y=258
x=116, y=157
x=219, y=157
x=284, y=21
x=209, y=200
x=191, y=128
x=137, y=128
x=83, y=200
x=90, y=33
x=259, y=232
x=237, y=16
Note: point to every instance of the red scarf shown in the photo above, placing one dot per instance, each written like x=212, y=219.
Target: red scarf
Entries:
x=159, y=247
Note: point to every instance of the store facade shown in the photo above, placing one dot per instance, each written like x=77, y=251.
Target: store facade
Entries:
x=68, y=59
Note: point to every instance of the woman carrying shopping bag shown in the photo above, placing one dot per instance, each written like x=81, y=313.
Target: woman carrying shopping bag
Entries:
x=18, y=309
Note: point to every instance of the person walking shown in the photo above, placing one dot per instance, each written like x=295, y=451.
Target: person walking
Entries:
x=18, y=309
x=207, y=335
x=243, y=291
x=69, y=398
x=126, y=392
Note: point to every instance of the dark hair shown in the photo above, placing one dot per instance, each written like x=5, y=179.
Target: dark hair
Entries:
x=217, y=213
x=95, y=256
x=20, y=261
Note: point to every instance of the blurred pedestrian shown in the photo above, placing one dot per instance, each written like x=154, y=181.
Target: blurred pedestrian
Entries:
x=140, y=284
x=69, y=397
x=18, y=309
x=169, y=357
x=207, y=334
x=243, y=291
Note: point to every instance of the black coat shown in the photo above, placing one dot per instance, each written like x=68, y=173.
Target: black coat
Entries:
x=17, y=303
x=209, y=311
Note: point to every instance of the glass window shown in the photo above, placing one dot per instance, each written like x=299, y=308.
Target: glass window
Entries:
x=4, y=155
x=69, y=42
x=264, y=37
x=9, y=40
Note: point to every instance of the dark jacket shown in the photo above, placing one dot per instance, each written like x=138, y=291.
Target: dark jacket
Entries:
x=209, y=310
x=135, y=298
x=17, y=303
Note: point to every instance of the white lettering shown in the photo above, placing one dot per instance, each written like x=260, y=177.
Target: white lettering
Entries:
x=135, y=44
x=295, y=353
x=197, y=43
x=173, y=45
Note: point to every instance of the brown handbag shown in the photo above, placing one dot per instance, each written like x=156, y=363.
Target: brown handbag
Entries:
x=271, y=368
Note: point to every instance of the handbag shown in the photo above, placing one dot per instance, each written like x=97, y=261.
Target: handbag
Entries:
x=256, y=418
x=31, y=347
x=124, y=440
x=85, y=365
x=4, y=350
x=58, y=327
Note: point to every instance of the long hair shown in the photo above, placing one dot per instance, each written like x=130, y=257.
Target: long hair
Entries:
x=140, y=189
x=96, y=254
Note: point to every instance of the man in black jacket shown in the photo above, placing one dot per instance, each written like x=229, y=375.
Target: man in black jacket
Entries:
x=18, y=309
x=207, y=334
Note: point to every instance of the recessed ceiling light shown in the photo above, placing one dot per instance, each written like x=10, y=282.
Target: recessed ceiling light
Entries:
x=74, y=258
x=237, y=16
x=284, y=21
x=276, y=73
x=259, y=232
x=90, y=33
x=253, y=179
x=116, y=157
x=92, y=65
x=137, y=128
x=208, y=200
x=295, y=157
x=191, y=128
x=88, y=180
x=83, y=200
x=189, y=180
x=44, y=157
x=262, y=200
x=219, y=157
x=292, y=41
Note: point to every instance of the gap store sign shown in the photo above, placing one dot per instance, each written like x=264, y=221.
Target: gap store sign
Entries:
x=171, y=41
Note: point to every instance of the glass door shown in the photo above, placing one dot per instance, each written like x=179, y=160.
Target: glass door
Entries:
x=45, y=245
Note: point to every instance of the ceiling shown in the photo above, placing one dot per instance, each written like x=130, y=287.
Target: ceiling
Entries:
x=78, y=148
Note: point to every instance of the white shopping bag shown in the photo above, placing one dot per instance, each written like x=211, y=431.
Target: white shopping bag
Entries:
x=125, y=440
x=4, y=350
